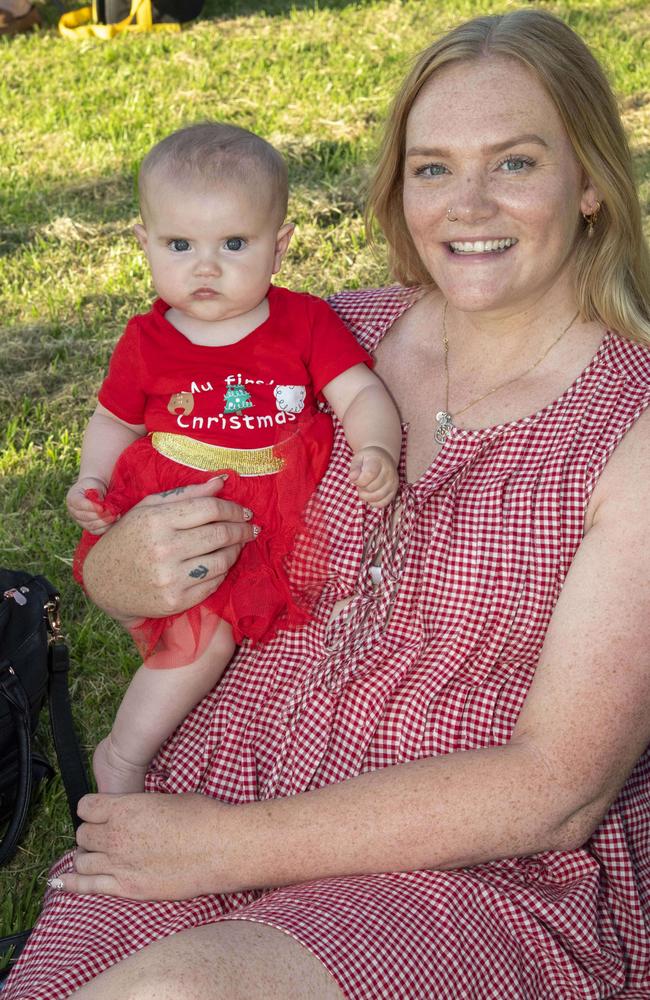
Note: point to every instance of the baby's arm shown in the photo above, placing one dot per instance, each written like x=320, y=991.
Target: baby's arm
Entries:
x=105, y=439
x=372, y=426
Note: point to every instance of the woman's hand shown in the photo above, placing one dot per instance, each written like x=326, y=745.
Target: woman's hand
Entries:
x=168, y=553
x=150, y=846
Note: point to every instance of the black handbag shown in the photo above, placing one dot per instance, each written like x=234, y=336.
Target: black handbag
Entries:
x=34, y=664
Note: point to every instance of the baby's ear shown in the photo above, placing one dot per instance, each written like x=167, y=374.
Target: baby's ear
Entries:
x=282, y=241
x=141, y=235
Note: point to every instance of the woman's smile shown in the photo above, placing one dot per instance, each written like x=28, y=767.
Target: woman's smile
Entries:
x=468, y=247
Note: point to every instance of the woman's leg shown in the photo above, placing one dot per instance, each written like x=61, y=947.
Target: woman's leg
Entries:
x=229, y=960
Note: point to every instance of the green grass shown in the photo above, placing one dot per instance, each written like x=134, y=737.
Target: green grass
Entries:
x=76, y=118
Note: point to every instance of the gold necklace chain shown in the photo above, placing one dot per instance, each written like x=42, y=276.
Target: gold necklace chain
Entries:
x=444, y=418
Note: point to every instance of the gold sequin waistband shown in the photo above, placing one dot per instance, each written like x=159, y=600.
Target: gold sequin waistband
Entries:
x=211, y=457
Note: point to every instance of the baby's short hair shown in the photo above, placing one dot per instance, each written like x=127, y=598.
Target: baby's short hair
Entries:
x=218, y=152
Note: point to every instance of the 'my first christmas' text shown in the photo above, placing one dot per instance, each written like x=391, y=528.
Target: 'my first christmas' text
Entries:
x=234, y=421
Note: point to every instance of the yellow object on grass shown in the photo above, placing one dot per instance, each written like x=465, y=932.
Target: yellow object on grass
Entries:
x=83, y=23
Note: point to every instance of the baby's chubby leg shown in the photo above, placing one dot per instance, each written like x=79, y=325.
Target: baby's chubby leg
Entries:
x=155, y=703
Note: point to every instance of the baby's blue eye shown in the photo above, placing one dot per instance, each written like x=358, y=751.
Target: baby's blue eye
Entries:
x=235, y=243
x=179, y=246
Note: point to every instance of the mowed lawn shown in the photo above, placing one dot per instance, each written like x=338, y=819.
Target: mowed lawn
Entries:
x=75, y=119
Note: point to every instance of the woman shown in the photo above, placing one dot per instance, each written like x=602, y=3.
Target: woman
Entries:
x=475, y=687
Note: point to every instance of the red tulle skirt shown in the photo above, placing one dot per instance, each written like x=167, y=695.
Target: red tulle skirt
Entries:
x=256, y=598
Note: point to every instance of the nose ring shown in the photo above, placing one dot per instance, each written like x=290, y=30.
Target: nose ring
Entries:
x=450, y=217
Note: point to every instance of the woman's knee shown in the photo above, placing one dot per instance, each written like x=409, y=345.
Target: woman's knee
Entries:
x=266, y=962
x=230, y=960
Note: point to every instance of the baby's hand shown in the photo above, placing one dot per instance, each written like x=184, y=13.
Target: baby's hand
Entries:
x=374, y=474
x=86, y=512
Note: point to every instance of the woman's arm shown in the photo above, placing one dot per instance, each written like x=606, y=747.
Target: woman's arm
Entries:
x=585, y=722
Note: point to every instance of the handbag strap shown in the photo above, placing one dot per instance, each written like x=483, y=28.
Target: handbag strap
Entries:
x=68, y=751
x=18, y=703
x=13, y=944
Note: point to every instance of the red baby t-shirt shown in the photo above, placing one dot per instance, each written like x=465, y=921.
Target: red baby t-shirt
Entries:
x=251, y=394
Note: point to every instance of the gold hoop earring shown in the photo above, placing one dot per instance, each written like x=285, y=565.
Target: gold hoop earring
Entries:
x=591, y=218
x=451, y=218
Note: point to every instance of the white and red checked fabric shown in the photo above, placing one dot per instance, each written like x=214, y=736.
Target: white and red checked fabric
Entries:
x=438, y=659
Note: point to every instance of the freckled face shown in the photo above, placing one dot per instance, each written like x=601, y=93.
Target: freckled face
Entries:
x=211, y=252
x=484, y=139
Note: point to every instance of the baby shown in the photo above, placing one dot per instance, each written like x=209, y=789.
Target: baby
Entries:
x=224, y=374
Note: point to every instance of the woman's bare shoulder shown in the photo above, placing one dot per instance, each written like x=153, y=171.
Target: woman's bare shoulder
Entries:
x=622, y=487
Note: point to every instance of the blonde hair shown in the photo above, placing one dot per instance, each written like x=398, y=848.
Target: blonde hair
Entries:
x=216, y=152
x=613, y=266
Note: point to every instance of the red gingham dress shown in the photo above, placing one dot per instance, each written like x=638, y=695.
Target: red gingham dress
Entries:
x=437, y=659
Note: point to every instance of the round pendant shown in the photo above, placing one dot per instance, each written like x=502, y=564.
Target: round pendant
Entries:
x=444, y=425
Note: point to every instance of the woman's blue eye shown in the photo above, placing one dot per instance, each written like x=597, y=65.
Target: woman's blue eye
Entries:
x=514, y=164
x=235, y=243
x=431, y=170
x=179, y=246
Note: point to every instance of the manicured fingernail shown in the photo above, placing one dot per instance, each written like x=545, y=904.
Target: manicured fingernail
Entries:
x=55, y=883
x=247, y=514
x=256, y=530
x=223, y=477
